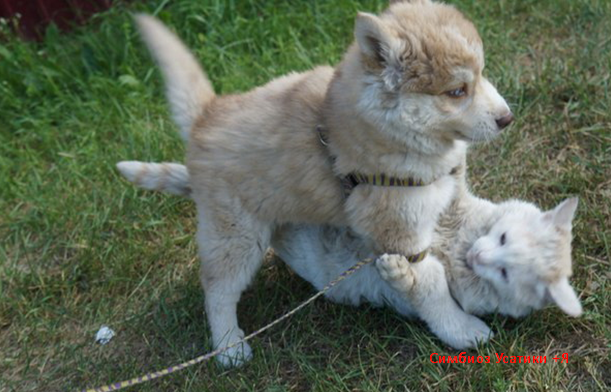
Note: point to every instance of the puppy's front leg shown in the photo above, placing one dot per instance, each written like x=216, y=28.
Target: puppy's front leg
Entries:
x=399, y=220
x=425, y=287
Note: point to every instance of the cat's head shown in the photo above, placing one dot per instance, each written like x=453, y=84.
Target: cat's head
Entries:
x=526, y=257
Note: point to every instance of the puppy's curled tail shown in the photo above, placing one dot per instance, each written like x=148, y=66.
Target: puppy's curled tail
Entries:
x=165, y=177
x=188, y=90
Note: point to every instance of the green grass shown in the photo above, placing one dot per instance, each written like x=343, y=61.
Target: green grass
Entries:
x=80, y=247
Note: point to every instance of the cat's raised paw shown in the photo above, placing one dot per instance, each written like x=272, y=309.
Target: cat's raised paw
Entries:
x=395, y=269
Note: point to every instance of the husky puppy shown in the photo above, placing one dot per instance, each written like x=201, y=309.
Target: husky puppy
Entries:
x=510, y=258
x=403, y=103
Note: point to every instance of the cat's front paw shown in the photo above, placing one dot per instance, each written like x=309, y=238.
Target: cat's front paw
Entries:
x=466, y=333
x=395, y=269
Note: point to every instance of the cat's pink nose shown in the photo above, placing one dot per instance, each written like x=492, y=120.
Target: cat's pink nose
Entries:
x=472, y=258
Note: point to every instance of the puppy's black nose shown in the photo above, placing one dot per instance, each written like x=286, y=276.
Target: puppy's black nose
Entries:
x=504, y=121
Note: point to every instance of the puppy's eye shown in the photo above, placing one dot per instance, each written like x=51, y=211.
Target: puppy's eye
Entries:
x=504, y=273
x=503, y=239
x=457, y=93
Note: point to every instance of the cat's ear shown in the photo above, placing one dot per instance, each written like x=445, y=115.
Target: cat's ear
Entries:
x=564, y=296
x=563, y=214
x=378, y=43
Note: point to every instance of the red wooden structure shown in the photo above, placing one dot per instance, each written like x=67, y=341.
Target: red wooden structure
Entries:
x=36, y=15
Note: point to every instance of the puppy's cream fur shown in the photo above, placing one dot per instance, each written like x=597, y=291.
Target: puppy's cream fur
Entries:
x=404, y=101
x=470, y=264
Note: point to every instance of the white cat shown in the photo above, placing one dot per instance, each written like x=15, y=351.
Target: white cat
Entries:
x=510, y=258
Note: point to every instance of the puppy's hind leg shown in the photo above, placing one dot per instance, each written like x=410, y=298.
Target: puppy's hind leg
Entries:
x=231, y=246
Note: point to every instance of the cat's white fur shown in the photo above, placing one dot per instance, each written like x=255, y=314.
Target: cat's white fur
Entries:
x=472, y=271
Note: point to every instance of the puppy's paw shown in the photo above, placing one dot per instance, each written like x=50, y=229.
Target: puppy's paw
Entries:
x=395, y=269
x=468, y=333
x=235, y=356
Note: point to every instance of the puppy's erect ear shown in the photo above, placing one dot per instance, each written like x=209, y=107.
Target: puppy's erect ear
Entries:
x=564, y=296
x=373, y=37
x=563, y=214
x=378, y=43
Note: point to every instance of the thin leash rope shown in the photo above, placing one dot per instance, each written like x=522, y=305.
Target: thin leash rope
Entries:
x=205, y=357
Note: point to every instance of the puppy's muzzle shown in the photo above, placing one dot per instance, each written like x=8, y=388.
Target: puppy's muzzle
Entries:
x=504, y=121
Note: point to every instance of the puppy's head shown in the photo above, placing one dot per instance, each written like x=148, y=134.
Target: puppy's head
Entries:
x=422, y=64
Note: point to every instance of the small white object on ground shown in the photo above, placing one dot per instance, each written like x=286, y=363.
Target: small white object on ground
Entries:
x=104, y=335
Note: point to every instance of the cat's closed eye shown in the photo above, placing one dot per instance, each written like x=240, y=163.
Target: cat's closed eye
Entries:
x=504, y=273
x=503, y=239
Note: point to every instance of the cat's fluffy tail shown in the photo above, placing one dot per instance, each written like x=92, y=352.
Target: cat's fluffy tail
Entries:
x=165, y=177
x=188, y=90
